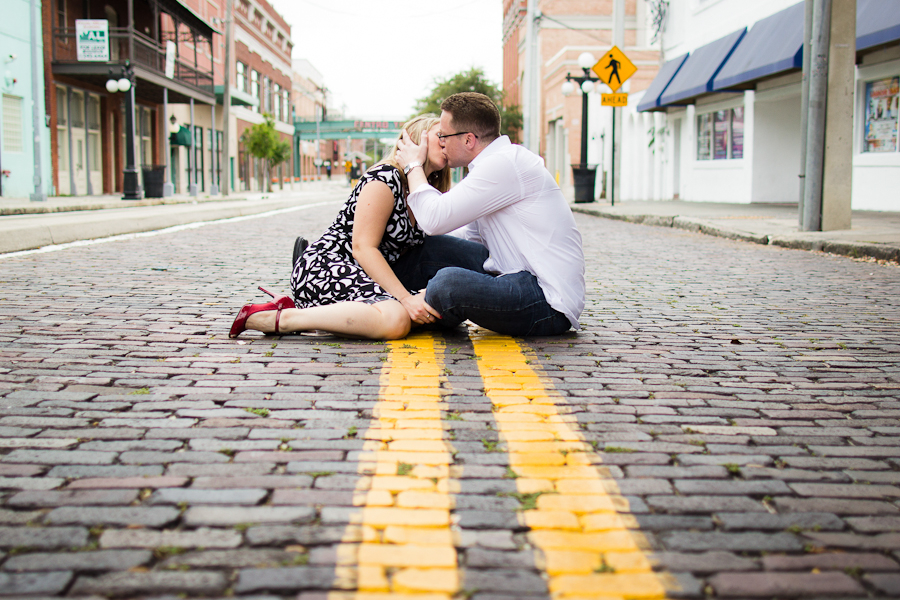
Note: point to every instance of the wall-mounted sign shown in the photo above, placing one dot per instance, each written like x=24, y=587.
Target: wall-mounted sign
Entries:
x=92, y=40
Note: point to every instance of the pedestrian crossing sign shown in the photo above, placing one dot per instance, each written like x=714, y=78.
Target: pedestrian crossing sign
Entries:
x=614, y=68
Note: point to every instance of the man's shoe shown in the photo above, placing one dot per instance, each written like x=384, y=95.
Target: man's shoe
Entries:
x=300, y=245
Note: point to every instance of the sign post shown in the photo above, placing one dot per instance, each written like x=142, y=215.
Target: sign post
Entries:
x=614, y=69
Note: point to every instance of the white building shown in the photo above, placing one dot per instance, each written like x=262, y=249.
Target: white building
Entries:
x=721, y=121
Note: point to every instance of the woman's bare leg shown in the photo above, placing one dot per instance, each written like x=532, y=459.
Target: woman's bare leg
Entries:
x=386, y=320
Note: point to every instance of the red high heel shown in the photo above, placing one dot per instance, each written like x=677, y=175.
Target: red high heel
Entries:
x=240, y=321
x=281, y=301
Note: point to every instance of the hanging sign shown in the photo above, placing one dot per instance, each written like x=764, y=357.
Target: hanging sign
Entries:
x=92, y=40
x=170, y=59
x=614, y=68
x=613, y=99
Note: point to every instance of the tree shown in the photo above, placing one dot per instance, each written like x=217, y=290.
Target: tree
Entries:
x=473, y=80
x=263, y=142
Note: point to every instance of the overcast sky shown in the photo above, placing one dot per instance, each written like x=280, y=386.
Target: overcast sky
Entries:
x=352, y=43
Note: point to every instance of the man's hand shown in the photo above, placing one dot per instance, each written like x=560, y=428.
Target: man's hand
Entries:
x=419, y=310
x=408, y=152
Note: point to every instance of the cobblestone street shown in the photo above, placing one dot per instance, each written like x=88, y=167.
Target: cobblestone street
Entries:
x=726, y=423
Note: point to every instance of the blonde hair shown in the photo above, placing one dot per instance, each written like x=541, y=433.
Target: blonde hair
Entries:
x=416, y=129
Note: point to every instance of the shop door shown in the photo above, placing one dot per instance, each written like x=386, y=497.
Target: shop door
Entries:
x=79, y=146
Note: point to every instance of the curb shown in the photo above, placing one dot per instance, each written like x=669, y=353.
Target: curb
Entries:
x=695, y=225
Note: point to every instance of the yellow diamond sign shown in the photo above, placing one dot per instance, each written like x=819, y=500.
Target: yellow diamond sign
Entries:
x=614, y=68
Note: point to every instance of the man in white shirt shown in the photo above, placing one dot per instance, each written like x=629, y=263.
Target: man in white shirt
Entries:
x=510, y=203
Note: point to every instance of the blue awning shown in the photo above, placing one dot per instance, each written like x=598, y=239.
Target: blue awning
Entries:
x=696, y=75
x=650, y=99
x=877, y=23
x=773, y=45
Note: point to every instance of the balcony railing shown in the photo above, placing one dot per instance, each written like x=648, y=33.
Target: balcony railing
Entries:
x=148, y=53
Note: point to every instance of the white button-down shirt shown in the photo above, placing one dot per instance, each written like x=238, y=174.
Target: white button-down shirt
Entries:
x=510, y=203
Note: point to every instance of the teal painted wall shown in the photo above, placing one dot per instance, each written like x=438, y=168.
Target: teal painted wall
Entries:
x=15, y=86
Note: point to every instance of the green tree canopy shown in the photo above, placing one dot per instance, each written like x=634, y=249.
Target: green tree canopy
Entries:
x=473, y=80
x=262, y=141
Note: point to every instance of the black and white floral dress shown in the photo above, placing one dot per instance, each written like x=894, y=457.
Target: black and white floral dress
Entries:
x=327, y=273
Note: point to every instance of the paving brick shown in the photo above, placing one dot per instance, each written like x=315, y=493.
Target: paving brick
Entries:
x=146, y=538
x=73, y=498
x=884, y=582
x=704, y=504
x=767, y=585
x=105, y=483
x=43, y=538
x=836, y=506
x=516, y=581
x=30, y=483
x=737, y=542
x=702, y=562
x=228, y=516
x=269, y=535
x=31, y=584
x=60, y=457
x=162, y=582
x=750, y=521
x=112, y=516
x=288, y=579
x=741, y=488
x=231, y=559
x=261, y=481
x=98, y=560
x=837, y=561
x=200, y=496
x=19, y=517
x=111, y=471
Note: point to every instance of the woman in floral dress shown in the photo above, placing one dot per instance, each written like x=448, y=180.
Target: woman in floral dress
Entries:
x=343, y=283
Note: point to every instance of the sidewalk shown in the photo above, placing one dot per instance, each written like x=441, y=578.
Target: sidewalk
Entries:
x=26, y=225
x=872, y=234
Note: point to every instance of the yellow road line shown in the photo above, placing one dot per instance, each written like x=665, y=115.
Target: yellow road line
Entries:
x=408, y=549
x=585, y=546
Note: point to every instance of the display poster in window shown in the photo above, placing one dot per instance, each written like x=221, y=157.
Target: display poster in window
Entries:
x=704, y=136
x=720, y=134
x=737, y=132
x=882, y=97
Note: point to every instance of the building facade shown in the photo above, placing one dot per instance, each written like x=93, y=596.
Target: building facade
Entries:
x=564, y=30
x=87, y=121
x=309, y=97
x=17, y=103
x=722, y=121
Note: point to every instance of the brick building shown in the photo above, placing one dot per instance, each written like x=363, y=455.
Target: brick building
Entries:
x=564, y=30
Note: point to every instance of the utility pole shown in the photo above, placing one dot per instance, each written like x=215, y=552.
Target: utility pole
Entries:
x=531, y=129
x=837, y=171
x=829, y=142
x=804, y=104
x=39, y=194
x=226, y=100
x=619, y=42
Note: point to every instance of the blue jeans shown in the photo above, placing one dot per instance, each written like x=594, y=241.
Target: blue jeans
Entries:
x=511, y=304
x=418, y=265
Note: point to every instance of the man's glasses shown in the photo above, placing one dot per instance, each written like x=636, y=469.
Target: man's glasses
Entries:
x=443, y=136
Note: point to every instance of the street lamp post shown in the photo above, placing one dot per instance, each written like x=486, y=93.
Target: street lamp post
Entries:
x=584, y=174
x=125, y=84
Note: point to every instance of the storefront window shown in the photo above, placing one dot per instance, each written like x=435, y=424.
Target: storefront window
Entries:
x=720, y=134
x=737, y=132
x=704, y=136
x=882, y=97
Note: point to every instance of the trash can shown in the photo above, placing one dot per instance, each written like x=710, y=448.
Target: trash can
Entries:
x=154, y=178
x=584, y=183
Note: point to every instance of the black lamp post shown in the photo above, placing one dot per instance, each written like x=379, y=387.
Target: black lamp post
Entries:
x=585, y=175
x=125, y=84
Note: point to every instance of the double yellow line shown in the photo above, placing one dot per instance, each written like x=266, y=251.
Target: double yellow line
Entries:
x=574, y=516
